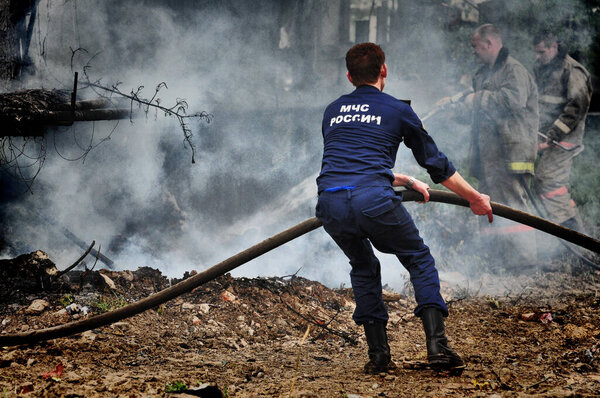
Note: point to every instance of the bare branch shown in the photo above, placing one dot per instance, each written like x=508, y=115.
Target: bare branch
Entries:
x=76, y=263
x=178, y=110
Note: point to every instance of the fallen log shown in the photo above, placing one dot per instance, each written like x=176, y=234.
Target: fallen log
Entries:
x=88, y=115
x=27, y=112
x=97, y=103
x=51, y=117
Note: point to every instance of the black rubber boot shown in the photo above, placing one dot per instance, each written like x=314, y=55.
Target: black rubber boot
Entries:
x=439, y=355
x=380, y=359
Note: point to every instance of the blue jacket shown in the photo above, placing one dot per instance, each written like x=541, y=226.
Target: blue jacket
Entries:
x=361, y=134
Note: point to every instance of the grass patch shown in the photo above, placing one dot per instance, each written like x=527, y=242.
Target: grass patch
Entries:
x=66, y=299
x=177, y=386
x=107, y=303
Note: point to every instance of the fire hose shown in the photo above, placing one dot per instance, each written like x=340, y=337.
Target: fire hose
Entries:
x=263, y=247
x=540, y=212
x=450, y=100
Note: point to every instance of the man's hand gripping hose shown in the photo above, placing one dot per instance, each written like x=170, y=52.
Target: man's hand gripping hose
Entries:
x=510, y=213
x=481, y=206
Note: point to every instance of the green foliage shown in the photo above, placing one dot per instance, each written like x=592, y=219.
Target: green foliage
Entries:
x=107, y=303
x=102, y=305
x=424, y=48
x=177, y=386
x=66, y=299
x=575, y=22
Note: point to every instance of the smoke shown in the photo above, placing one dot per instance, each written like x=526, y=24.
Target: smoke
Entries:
x=139, y=196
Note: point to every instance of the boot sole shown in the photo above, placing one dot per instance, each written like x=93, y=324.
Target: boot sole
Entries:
x=420, y=365
x=445, y=361
x=375, y=370
x=453, y=370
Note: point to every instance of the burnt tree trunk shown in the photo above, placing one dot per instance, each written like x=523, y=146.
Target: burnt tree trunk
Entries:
x=15, y=34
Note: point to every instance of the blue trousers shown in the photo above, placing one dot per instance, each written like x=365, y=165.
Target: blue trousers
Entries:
x=360, y=218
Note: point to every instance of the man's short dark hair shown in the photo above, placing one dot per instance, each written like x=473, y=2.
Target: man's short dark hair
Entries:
x=488, y=31
x=546, y=36
x=364, y=62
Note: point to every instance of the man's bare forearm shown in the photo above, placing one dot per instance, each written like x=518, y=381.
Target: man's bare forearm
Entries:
x=479, y=203
x=457, y=184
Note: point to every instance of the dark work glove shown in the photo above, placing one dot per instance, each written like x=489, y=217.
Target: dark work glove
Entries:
x=554, y=135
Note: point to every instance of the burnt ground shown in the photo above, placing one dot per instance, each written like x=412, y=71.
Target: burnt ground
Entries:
x=292, y=337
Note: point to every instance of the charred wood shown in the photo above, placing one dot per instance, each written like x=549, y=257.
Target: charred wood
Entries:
x=27, y=273
x=28, y=112
x=166, y=294
x=76, y=263
x=109, y=263
x=97, y=103
x=67, y=117
x=46, y=219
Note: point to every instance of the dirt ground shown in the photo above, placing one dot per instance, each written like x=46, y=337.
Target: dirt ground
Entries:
x=238, y=337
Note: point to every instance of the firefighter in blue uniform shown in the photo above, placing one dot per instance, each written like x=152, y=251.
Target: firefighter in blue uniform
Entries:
x=359, y=208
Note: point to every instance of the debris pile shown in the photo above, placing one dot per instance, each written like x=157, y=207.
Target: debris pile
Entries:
x=291, y=336
x=28, y=273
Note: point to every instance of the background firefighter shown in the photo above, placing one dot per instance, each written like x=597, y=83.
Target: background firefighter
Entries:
x=504, y=143
x=359, y=209
x=565, y=91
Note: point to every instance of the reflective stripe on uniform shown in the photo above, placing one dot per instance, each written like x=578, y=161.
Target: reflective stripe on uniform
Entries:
x=563, y=127
x=485, y=96
x=567, y=145
x=557, y=192
x=511, y=229
x=551, y=99
x=521, y=166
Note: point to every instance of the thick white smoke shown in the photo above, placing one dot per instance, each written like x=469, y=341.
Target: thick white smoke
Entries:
x=139, y=195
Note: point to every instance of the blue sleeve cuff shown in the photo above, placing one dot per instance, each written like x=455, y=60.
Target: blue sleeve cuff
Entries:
x=441, y=176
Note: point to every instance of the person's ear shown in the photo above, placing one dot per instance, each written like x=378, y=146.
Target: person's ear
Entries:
x=349, y=77
x=383, y=72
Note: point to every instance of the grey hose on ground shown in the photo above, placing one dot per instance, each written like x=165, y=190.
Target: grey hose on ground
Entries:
x=261, y=248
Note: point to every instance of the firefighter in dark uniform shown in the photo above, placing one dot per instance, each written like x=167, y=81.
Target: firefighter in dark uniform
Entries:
x=504, y=108
x=565, y=90
x=359, y=208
